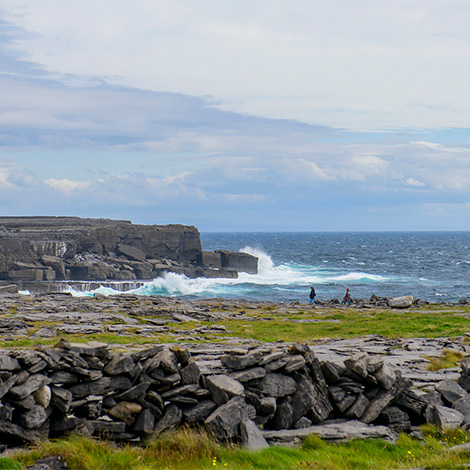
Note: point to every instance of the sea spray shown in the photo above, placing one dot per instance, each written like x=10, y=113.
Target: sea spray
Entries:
x=265, y=263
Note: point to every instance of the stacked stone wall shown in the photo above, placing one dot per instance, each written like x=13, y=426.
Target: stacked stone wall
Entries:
x=259, y=396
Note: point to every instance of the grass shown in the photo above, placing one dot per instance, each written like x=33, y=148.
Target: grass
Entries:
x=350, y=323
x=447, y=360
x=295, y=324
x=189, y=449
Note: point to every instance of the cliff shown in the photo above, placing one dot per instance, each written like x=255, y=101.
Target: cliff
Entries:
x=72, y=248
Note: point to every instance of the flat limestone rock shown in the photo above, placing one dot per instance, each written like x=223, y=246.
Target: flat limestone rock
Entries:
x=333, y=431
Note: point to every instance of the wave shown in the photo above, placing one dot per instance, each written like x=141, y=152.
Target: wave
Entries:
x=285, y=277
x=265, y=263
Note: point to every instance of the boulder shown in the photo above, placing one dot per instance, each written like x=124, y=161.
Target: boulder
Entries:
x=384, y=398
x=33, y=418
x=237, y=362
x=198, y=413
x=125, y=411
x=223, y=388
x=32, y=383
x=225, y=421
x=42, y=396
x=9, y=289
x=401, y=302
x=170, y=420
x=277, y=385
x=463, y=406
x=451, y=391
x=247, y=375
x=447, y=418
x=395, y=419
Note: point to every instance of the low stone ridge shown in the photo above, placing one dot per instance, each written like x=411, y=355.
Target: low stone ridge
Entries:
x=265, y=394
x=36, y=249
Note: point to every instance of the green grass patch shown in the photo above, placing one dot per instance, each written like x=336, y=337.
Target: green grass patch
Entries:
x=10, y=464
x=447, y=360
x=349, y=323
x=292, y=324
x=190, y=449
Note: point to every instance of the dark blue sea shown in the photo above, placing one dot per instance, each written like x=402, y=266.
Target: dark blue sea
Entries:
x=433, y=266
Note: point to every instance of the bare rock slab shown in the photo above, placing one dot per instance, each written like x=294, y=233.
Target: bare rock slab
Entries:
x=332, y=431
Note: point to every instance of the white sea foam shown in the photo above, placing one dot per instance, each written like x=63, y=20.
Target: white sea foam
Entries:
x=265, y=263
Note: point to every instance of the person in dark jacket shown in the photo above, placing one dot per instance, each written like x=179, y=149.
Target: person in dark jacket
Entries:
x=347, y=297
x=312, y=296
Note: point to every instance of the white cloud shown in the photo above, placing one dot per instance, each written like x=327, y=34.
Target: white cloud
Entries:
x=414, y=182
x=68, y=187
x=440, y=147
x=4, y=181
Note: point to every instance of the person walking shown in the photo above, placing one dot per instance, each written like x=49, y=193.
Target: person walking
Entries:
x=312, y=296
x=347, y=297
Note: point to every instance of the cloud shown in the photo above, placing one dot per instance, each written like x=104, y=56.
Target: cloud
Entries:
x=138, y=113
x=413, y=182
x=4, y=181
x=358, y=65
x=68, y=187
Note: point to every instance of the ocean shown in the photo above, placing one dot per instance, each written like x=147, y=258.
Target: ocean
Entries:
x=432, y=266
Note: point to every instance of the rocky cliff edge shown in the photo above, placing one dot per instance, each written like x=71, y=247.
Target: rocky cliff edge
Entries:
x=72, y=248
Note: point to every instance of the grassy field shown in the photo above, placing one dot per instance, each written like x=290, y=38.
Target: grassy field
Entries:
x=288, y=324
x=192, y=450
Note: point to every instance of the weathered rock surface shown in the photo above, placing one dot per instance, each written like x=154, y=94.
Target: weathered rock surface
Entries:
x=38, y=249
x=401, y=302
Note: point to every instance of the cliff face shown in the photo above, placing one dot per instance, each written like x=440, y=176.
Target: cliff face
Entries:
x=71, y=248
x=48, y=248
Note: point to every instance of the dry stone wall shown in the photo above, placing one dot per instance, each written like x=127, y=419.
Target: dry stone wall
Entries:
x=267, y=394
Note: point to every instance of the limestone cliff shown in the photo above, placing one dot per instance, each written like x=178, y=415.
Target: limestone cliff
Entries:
x=72, y=248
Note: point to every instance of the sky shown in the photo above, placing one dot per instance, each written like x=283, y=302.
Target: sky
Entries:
x=260, y=115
